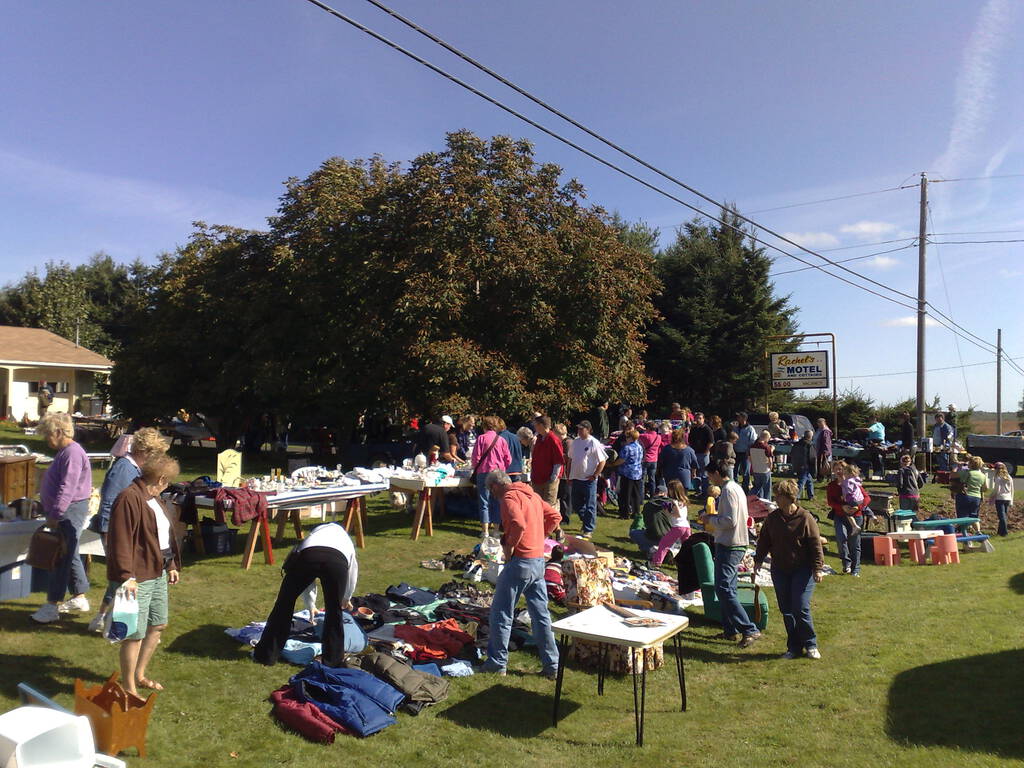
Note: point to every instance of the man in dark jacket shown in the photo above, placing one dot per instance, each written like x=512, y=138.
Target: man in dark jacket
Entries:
x=802, y=461
x=701, y=438
x=907, y=437
x=599, y=418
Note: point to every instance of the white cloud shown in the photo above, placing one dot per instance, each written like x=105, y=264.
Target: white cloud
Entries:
x=910, y=321
x=868, y=230
x=882, y=262
x=1011, y=272
x=812, y=239
x=975, y=83
x=110, y=195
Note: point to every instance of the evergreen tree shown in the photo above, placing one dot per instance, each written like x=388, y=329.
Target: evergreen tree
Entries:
x=717, y=308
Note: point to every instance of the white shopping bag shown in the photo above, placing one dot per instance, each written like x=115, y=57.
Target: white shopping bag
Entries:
x=123, y=619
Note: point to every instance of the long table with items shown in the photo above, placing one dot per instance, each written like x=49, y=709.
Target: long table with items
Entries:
x=428, y=489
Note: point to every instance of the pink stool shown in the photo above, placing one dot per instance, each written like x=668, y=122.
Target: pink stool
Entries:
x=945, y=551
x=885, y=551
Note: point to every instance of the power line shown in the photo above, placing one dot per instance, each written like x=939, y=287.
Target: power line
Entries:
x=541, y=103
x=930, y=370
x=972, y=242
x=549, y=132
x=828, y=199
x=949, y=304
x=847, y=261
x=983, y=232
x=978, y=178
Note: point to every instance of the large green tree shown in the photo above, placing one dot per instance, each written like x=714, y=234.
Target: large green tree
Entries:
x=475, y=278
x=717, y=308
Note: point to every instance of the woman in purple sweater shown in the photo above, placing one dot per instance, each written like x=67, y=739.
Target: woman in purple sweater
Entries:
x=64, y=492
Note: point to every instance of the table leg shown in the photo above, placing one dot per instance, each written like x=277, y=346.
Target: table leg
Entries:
x=250, y=544
x=643, y=693
x=636, y=699
x=602, y=667
x=440, y=504
x=297, y=523
x=679, y=670
x=429, y=511
x=354, y=516
x=417, y=520
x=197, y=538
x=917, y=550
x=563, y=651
x=268, y=546
x=282, y=521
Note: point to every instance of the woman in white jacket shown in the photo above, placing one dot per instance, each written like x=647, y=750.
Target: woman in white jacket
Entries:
x=1002, y=495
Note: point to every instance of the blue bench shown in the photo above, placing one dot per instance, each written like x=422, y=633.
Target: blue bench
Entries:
x=975, y=537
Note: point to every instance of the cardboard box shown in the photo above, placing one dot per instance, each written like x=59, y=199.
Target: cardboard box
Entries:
x=584, y=547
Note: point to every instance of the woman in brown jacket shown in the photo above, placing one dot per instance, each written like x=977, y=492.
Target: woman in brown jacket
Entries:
x=142, y=555
x=791, y=536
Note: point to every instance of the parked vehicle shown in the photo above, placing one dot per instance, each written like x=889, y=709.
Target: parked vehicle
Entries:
x=992, y=448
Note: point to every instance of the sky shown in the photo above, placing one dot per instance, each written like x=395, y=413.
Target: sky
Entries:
x=124, y=122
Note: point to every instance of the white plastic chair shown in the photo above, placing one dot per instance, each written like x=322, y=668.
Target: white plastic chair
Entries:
x=34, y=737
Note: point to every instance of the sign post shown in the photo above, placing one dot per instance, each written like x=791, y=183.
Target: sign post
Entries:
x=805, y=369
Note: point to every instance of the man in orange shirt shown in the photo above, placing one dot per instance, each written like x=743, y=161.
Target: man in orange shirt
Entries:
x=527, y=520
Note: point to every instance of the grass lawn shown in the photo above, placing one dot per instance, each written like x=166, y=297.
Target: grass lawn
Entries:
x=923, y=666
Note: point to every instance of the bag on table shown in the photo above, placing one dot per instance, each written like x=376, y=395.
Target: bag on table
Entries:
x=123, y=618
x=46, y=548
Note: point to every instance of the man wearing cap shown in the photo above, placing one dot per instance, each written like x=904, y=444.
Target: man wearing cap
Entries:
x=584, y=464
x=436, y=433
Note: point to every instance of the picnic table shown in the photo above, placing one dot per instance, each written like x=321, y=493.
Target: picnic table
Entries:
x=427, y=490
x=958, y=523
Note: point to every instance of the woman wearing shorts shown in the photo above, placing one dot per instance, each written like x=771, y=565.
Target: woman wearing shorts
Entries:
x=142, y=555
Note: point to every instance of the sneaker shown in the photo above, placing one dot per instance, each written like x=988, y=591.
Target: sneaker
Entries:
x=846, y=570
x=813, y=653
x=856, y=574
x=96, y=625
x=726, y=636
x=47, y=614
x=788, y=655
x=549, y=674
x=492, y=668
x=749, y=640
x=74, y=605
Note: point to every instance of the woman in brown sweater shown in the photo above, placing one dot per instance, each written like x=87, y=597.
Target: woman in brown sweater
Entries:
x=142, y=555
x=790, y=535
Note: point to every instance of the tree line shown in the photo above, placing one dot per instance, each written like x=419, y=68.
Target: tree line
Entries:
x=471, y=279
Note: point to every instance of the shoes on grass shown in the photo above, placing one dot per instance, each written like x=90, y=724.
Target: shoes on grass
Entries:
x=813, y=653
x=550, y=674
x=74, y=605
x=47, y=614
x=433, y=565
x=749, y=640
x=788, y=655
x=96, y=625
x=492, y=668
x=726, y=636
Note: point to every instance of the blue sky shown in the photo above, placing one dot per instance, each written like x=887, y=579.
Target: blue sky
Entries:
x=124, y=122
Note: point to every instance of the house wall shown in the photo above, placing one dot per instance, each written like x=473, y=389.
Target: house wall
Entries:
x=69, y=385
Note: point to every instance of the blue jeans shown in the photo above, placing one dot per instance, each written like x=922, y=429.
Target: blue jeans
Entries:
x=793, y=590
x=70, y=573
x=742, y=470
x=686, y=479
x=942, y=462
x=488, y=506
x=806, y=480
x=967, y=506
x=734, y=617
x=521, y=576
x=584, y=503
x=849, y=544
x=762, y=487
x=1002, y=507
x=639, y=537
x=702, y=463
x=650, y=478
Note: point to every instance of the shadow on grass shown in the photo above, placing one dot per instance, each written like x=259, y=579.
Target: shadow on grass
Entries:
x=208, y=642
x=490, y=710
x=44, y=673
x=986, y=687
x=1017, y=583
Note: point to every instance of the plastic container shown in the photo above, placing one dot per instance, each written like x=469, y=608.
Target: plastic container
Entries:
x=33, y=737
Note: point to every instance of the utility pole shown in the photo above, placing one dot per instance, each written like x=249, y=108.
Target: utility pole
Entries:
x=999, y=381
x=921, y=303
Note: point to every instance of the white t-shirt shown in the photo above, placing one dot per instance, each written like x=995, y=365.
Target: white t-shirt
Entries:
x=759, y=461
x=585, y=455
x=334, y=536
x=163, y=525
x=679, y=517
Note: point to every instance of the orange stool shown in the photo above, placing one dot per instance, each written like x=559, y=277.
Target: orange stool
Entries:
x=945, y=550
x=885, y=551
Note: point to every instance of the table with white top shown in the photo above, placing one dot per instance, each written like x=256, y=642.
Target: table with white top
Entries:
x=427, y=491
x=915, y=540
x=602, y=626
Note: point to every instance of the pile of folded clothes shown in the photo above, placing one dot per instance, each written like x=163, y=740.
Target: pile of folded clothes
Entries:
x=400, y=647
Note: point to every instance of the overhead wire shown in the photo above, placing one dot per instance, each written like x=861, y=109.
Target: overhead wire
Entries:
x=973, y=242
x=558, y=137
x=847, y=261
x=607, y=142
x=949, y=304
x=828, y=199
x=549, y=132
x=977, y=178
x=929, y=370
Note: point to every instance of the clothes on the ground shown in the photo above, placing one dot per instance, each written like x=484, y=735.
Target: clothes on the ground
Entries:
x=66, y=480
x=304, y=717
x=352, y=697
x=431, y=642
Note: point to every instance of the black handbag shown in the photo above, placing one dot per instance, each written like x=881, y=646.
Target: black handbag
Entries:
x=46, y=548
